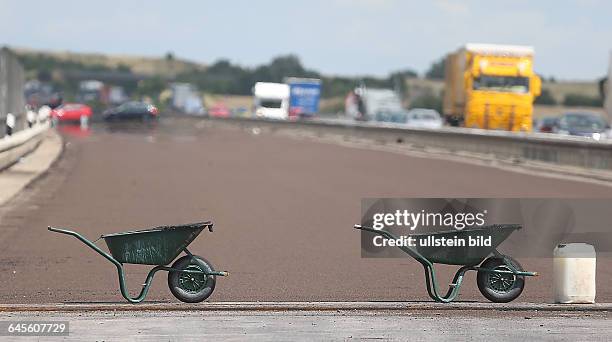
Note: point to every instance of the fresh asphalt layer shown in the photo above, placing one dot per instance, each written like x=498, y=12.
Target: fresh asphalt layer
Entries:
x=283, y=210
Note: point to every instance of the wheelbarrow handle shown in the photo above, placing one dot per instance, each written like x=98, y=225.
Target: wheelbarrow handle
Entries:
x=370, y=229
x=84, y=240
x=62, y=231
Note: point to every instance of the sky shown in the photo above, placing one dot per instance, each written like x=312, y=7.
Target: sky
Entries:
x=572, y=38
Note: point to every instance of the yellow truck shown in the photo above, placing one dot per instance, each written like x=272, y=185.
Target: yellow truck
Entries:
x=491, y=86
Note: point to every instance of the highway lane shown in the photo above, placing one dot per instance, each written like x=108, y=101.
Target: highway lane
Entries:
x=283, y=209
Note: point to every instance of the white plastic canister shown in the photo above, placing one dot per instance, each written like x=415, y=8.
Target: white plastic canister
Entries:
x=574, y=273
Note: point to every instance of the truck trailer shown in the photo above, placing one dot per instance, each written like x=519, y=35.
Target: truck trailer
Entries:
x=296, y=98
x=491, y=87
x=304, y=96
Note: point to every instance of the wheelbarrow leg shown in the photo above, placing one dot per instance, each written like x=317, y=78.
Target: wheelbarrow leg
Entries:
x=430, y=273
x=145, y=287
x=432, y=283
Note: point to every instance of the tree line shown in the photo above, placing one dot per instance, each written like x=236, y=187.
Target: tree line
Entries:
x=225, y=77
x=221, y=77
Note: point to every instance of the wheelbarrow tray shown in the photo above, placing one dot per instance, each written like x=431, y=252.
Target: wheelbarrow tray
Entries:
x=464, y=255
x=155, y=246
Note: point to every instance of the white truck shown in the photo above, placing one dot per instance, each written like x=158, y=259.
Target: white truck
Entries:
x=271, y=100
x=369, y=104
x=187, y=99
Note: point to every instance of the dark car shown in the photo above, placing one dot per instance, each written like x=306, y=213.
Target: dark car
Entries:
x=546, y=125
x=132, y=110
x=582, y=124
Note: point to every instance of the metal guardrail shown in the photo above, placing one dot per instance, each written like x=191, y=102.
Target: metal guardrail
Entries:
x=12, y=100
x=548, y=148
x=19, y=144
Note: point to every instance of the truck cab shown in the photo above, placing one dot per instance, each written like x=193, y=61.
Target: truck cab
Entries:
x=491, y=87
x=271, y=100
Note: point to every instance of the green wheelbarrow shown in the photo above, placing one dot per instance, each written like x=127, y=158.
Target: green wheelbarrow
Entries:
x=191, y=278
x=500, y=278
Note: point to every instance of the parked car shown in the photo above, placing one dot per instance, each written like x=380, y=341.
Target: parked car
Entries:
x=132, y=110
x=219, y=110
x=424, y=118
x=71, y=112
x=546, y=125
x=392, y=116
x=583, y=124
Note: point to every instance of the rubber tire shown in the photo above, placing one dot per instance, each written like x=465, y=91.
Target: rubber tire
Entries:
x=482, y=279
x=179, y=292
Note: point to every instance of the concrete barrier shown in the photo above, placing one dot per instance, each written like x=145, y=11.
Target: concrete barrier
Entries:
x=517, y=147
x=19, y=144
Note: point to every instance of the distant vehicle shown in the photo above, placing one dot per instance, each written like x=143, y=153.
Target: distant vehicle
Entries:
x=304, y=96
x=194, y=106
x=546, y=125
x=491, y=87
x=91, y=90
x=424, y=118
x=219, y=110
x=366, y=104
x=116, y=95
x=398, y=117
x=240, y=112
x=71, y=112
x=54, y=101
x=583, y=124
x=271, y=100
x=132, y=110
x=187, y=99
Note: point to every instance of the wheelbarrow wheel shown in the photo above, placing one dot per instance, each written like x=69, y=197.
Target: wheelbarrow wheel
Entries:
x=191, y=287
x=500, y=287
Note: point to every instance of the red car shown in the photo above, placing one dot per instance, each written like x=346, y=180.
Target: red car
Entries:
x=71, y=112
x=219, y=110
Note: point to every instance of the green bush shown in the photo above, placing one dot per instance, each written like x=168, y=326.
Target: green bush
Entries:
x=436, y=70
x=430, y=101
x=545, y=98
x=579, y=100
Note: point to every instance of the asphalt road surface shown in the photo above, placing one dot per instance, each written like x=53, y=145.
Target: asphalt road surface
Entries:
x=283, y=210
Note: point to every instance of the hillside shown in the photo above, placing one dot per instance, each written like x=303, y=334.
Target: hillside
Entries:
x=148, y=66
